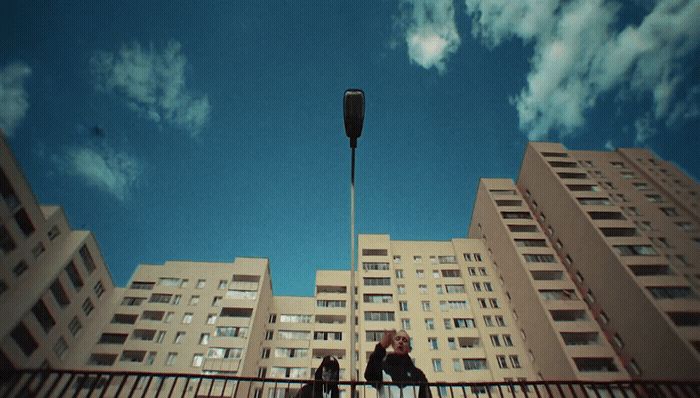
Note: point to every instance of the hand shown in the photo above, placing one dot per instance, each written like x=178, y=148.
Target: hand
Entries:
x=388, y=338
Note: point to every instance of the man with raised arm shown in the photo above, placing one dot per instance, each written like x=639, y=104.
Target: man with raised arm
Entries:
x=407, y=381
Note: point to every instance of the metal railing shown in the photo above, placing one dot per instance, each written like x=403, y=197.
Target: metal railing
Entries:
x=101, y=384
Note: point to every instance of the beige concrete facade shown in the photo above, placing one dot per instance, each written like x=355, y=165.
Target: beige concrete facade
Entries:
x=625, y=223
x=541, y=288
x=54, y=285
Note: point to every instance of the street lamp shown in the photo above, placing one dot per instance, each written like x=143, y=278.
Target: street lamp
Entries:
x=353, y=116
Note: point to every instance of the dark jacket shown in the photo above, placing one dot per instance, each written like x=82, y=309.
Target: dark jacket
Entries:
x=400, y=371
x=319, y=386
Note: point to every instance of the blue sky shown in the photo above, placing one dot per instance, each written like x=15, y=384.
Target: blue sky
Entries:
x=221, y=122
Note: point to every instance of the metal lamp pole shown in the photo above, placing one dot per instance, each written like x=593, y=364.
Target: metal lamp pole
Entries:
x=353, y=116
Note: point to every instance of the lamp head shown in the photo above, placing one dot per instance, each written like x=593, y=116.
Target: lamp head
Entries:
x=353, y=114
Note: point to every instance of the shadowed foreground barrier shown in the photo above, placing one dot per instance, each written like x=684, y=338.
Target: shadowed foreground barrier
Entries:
x=98, y=384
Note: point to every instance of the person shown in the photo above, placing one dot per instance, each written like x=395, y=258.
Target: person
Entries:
x=325, y=383
x=396, y=367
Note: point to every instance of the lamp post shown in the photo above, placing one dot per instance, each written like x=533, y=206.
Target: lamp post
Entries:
x=353, y=116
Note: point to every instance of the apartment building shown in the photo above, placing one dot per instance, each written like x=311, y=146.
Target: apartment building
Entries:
x=585, y=269
x=617, y=234
x=53, y=280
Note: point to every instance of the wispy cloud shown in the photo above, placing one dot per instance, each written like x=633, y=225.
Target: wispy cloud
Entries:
x=104, y=168
x=14, y=100
x=579, y=54
x=153, y=84
x=430, y=31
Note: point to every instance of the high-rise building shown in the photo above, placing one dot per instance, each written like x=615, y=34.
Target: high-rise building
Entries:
x=585, y=269
x=53, y=281
x=610, y=237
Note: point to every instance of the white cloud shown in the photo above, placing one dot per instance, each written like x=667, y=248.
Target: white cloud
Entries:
x=110, y=171
x=153, y=83
x=644, y=129
x=430, y=32
x=578, y=55
x=13, y=97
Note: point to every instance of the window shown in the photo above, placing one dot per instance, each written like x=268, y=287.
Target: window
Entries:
x=433, y=343
x=171, y=359
x=488, y=321
x=401, y=289
x=436, y=274
x=438, y=289
x=25, y=224
x=595, y=201
x=43, y=316
x=425, y=305
x=379, y=316
x=635, y=250
x=423, y=289
x=495, y=340
x=197, y=360
x=475, y=364
x=451, y=273
x=74, y=326
x=74, y=276
x=580, y=338
x=420, y=274
x=454, y=288
x=375, y=266
x=516, y=215
x=494, y=303
x=59, y=293
x=187, y=318
x=477, y=286
x=397, y=259
x=500, y=321
x=437, y=365
x=507, y=340
x=236, y=312
x=685, y=226
x=194, y=300
x=522, y=228
x=482, y=302
x=482, y=270
x=20, y=268
x=99, y=289
x=447, y=260
x=224, y=353
x=269, y=334
x=595, y=364
x=223, y=284
x=671, y=292
x=102, y=359
x=464, y=323
x=24, y=339
x=429, y=324
x=88, y=306
x=160, y=298
x=417, y=259
x=583, y=188
x=563, y=294
x=294, y=335
x=160, y=337
x=405, y=324
x=669, y=211
x=201, y=283
x=377, y=281
x=502, y=363
x=6, y=241
x=295, y=318
x=685, y=319
x=60, y=347
x=488, y=287
x=211, y=319
x=179, y=337
x=216, y=301
x=530, y=243
x=231, y=331
x=374, y=252
x=87, y=259
x=514, y=361
x=655, y=198
x=399, y=274
x=547, y=275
